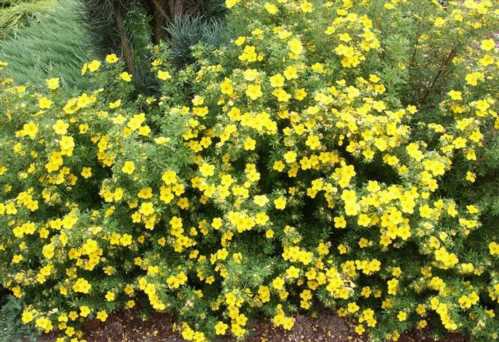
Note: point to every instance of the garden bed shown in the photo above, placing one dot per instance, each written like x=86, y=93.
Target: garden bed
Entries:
x=129, y=326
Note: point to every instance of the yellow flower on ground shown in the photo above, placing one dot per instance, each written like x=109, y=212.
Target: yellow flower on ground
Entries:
x=102, y=315
x=85, y=311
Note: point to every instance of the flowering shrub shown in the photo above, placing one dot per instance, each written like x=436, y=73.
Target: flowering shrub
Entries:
x=321, y=156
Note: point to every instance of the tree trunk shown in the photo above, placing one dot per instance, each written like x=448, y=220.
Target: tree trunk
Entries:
x=126, y=48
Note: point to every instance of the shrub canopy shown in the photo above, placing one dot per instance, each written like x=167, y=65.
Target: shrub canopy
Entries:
x=339, y=153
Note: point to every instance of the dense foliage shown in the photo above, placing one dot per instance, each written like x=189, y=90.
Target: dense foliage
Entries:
x=125, y=27
x=57, y=43
x=16, y=14
x=341, y=153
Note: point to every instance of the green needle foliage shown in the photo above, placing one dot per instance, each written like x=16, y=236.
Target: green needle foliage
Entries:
x=11, y=328
x=56, y=46
x=15, y=14
x=187, y=31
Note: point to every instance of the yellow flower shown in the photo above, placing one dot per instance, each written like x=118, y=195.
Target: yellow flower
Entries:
x=439, y=22
x=44, y=103
x=422, y=324
x=94, y=65
x=253, y=91
x=146, y=208
x=60, y=127
x=207, y=170
x=82, y=286
x=220, y=328
x=295, y=46
x=313, y=142
x=128, y=167
x=250, y=74
x=240, y=40
x=226, y=87
x=53, y=83
x=102, y=315
x=115, y=104
x=473, y=78
x=278, y=283
x=290, y=157
x=27, y=316
x=249, y=144
x=352, y=308
x=231, y=3
x=306, y=6
x=455, y=95
x=414, y=152
x=277, y=81
x=264, y=294
x=448, y=260
x=145, y=193
x=164, y=75
x=85, y=311
x=494, y=248
x=291, y=73
x=281, y=94
x=126, y=240
x=86, y=172
x=44, y=324
x=292, y=272
x=340, y=222
x=48, y=251
x=280, y=203
x=67, y=145
x=161, y=140
x=112, y=58
x=30, y=129
x=249, y=54
x=260, y=200
x=271, y=8
x=169, y=177
x=125, y=76
x=488, y=44
x=359, y=329
x=110, y=296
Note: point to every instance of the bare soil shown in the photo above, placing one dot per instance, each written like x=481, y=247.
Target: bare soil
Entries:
x=128, y=326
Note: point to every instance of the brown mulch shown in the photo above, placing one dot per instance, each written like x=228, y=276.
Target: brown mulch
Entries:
x=326, y=327
x=128, y=327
